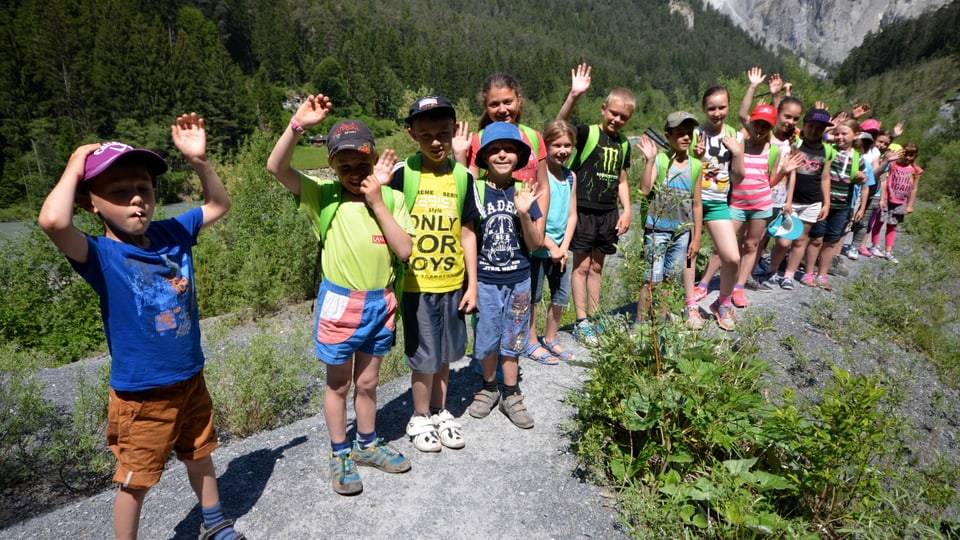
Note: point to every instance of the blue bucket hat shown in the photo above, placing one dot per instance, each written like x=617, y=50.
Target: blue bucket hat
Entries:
x=499, y=131
x=787, y=227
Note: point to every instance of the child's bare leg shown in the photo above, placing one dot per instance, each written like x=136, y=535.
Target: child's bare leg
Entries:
x=509, y=365
x=814, y=246
x=489, y=365
x=554, y=313
x=126, y=512
x=203, y=480
x=335, y=400
x=421, y=386
x=727, y=252
x=578, y=283
x=366, y=378
x=645, y=302
x=438, y=397
x=594, y=281
x=755, y=231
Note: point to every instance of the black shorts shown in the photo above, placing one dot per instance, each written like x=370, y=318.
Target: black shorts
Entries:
x=596, y=230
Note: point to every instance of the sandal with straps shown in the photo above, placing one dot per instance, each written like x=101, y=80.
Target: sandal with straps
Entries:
x=209, y=534
x=423, y=434
x=547, y=358
x=565, y=355
x=448, y=429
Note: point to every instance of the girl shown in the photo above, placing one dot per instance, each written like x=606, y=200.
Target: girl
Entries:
x=718, y=146
x=881, y=159
x=551, y=260
x=897, y=194
x=845, y=169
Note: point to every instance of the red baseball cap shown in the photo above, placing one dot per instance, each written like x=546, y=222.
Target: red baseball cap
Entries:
x=764, y=112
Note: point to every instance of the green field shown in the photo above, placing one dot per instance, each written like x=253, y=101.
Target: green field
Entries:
x=309, y=157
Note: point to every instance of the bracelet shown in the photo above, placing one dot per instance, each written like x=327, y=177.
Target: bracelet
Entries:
x=296, y=126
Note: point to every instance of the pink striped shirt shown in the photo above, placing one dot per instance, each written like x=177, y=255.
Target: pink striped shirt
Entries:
x=753, y=193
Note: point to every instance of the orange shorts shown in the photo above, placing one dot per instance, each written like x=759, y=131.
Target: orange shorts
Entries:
x=143, y=427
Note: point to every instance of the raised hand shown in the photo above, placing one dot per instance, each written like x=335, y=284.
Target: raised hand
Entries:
x=861, y=109
x=732, y=144
x=580, y=79
x=460, y=143
x=775, y=84
x=897, y=130
x=755, y=76
x=820, y=105
x=313, y=111
x=190, y=136
x=793, y=162
x=383, y=169
x=787, y=88
x=647, y=147
x=524, y=198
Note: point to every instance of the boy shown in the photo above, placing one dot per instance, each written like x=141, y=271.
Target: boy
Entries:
x=601, y=182
x=674, y=224
x=356, y=305
x=143, y=273
x=444, y=253
x=508, y=231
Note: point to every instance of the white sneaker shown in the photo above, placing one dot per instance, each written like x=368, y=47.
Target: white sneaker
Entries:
x=853, y=254
x=423, y=434
x=875, y=251
x=448, y=430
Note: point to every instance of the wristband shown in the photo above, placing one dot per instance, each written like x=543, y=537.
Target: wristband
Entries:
x=296, y=126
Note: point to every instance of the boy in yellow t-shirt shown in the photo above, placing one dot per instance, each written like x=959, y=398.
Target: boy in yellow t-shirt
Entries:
x=356, y=305
x=440, y=286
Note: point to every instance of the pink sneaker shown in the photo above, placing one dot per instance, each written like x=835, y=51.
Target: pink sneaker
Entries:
x=739, y=299
x=865, y=252
x=823, y=283
x=699, y=293
x=809, y=280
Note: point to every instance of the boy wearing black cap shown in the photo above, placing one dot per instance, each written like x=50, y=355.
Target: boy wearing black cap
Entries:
x=143, y=273
x=356, y=305
x=440, y=285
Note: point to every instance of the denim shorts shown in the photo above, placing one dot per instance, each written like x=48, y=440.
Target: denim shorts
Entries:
x=503, y=319
x=831, y=229
x=744, y=216
x=434, y=330
x=559, y=282
x=666, y=252
x=350, y=321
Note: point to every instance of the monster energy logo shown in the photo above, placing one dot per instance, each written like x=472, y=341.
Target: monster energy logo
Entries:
x=611, y=158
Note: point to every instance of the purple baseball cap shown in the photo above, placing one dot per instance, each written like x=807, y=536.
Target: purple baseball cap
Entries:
x=350, y=135
x=818, y=115
x=109, y=152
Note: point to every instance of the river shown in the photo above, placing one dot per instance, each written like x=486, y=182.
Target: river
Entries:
x=15, y=229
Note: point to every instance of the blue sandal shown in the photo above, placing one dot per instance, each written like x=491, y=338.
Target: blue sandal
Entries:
x=564, y=355
x=546, y=358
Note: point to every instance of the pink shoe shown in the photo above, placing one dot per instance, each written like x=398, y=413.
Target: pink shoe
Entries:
x=865, y=252
x=699, y=293
x=809, y=280
x=739, y=299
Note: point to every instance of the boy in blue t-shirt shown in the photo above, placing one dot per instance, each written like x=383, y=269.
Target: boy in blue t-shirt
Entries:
x=510, y=226
x=143, y=273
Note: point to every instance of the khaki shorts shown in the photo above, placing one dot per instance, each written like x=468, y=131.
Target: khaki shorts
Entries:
x=144, y=427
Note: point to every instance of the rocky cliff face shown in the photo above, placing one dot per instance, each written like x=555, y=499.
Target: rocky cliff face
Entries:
x=822, y=31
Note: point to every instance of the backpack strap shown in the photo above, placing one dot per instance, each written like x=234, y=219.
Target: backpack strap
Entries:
x=411, y=180
x=772, y=159
x=663, y=167
x=593, y=138
x=532, y=137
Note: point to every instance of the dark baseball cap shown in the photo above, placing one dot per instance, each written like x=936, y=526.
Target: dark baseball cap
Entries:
x=818, y=115
x=109, y=152
x=350, y=135
x=431, y=105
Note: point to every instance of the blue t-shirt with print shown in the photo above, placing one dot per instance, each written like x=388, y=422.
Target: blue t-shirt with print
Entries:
x=148, y=302
x=502, y=255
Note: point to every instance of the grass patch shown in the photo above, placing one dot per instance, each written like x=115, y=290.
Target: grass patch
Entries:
x=307, y=157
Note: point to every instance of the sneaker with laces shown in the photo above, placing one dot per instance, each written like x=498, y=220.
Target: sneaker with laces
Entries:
x=739, y=298
x=516, y=411
x=889, y=256
x=751, y=284
x=694, y=319
x=586, y=333
x=483, y=402
x=865, y=252
x=824, y=283
x=379, y=455
x=786, y=284
x=838, y=267
x=344, y=475
x=726, y=319
x=699, y=293
x=853, y=254
x=771, y=282
x=809, y=280
x=875, y=251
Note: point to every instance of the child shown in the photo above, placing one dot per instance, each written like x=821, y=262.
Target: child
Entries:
x=809, y=196
x=846, y=169
x=898, y=192
x=719, y=146
x=550, y=261
x=671, y=235
x=143, y=273
x=356, y=304
x=602, y=175
x=507, y=232
x=440, y=284
x=881, y=160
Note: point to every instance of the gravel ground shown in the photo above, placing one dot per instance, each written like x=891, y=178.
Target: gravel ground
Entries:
x=507, y=481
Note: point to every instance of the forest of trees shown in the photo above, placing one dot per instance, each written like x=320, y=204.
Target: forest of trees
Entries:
x=84, y=70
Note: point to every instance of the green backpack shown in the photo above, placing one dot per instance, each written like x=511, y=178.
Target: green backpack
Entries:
x=593, y=137
x=411, y=180
x=663, y=166
x=331, y=194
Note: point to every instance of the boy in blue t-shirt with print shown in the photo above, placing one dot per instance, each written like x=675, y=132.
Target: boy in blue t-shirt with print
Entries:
x=510, y=226
x=143, y=272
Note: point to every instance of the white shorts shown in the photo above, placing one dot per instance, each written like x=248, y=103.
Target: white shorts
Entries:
x=808, y=213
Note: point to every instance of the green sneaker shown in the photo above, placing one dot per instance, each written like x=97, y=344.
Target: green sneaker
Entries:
x=381, y=456
x=344, y=475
